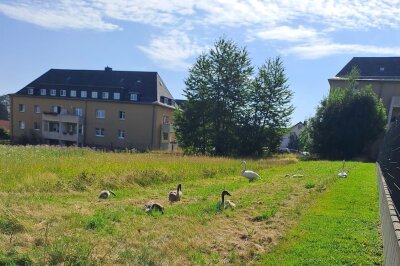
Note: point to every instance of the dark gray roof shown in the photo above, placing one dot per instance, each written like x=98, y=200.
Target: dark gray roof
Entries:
x=373, y=67
x=144, y=84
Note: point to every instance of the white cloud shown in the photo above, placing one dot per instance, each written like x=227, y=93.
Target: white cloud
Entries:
x=285, y=33
x=64, y=15
x=323, y=49
x=172, y=50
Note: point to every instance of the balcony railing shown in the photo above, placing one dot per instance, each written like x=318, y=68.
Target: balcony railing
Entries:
x=63, y=118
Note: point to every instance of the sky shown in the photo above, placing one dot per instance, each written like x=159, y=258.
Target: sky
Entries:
x=314, y=38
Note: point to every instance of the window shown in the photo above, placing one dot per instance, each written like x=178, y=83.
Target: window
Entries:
x=42, y=91
x=73, y=93
x=94, y=94
x=30, y=91
x=121, y=115
x=165, y=137
x=83, y=94
x=36, y=126
x=78, y=111
x=104, y=95
x=100, y=113
x=21, y=124
x=53, y=92
x=56, y=109
x=117, y=95
x=36, y=108
x=165, y=120
x=121, y=133
x=99, y=132
x=133, y=96
x=63, y=93
x=21, y=107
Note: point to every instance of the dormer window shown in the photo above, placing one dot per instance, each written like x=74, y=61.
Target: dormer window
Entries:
x=73, y=93
x=42, y=91
x=53, y=92
x=63, y=93
x=94, y=94
x=133, y=97
x=104, y=95
x=30, y=91
x=117, y=95
x=83, y=94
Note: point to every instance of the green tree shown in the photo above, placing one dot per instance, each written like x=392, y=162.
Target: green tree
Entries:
x=347, y=122
x=228, y=111
x=216, y=93
x=269, y=109
x=4, y=107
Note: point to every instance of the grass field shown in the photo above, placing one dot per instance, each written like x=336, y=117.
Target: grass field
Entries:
x=50, y=214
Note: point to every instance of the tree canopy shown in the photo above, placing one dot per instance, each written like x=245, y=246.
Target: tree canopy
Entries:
x=230, y=111
x=347, y=122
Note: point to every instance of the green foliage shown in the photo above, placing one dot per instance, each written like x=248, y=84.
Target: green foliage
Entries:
x=228, y=111
x=4, y=107
x=9, y=225
x=347, y=122
x=4, y=134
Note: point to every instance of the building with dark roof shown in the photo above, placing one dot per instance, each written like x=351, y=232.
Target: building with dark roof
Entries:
x=102, y=108
x=381, y=73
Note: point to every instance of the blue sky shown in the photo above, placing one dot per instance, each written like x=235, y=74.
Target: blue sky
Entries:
x=314, y=38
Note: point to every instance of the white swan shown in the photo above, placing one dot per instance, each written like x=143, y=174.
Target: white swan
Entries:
x=250, y=175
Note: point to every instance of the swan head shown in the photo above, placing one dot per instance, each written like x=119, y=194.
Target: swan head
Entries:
x=225, y=193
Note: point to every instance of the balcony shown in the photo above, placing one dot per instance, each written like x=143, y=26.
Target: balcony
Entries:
x=63, y=136
x=63, y=118
x=167, y=128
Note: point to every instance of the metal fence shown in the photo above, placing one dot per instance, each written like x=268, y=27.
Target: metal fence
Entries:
x=389, y=193
x=389, y=161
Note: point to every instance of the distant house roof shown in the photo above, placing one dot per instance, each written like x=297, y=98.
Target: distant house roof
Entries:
x=5, y=124
x=148, y=86
x=373, y=67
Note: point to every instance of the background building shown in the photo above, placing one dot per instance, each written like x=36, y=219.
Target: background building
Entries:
x=101, y=108
x=382, y=73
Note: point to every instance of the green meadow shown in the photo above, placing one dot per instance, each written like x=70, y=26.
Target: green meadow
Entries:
x=50, y=213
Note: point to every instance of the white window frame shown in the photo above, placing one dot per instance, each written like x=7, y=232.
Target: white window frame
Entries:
x=21, y=107
x=72, y=93
x=36, y=109
x=94, y=95
x=133, y=97
x=121, y=115
x=78, y=111
x=30, y=91
x=83, y=94
x=121, y=134
x=42, y=92
x=99, y=132
x=104, y=95
x=21, y=124
x=117, y=95
x=63, y=93
x=53, y=92
x=36, y=123
x=100, y=113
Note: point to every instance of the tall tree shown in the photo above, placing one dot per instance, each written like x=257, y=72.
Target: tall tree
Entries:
x=216, y=94
x=4, y=107
x=347, y=122
x=270, y=107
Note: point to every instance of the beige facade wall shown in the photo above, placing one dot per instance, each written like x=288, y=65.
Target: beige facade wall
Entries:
x=142, y=124
x=385, y=89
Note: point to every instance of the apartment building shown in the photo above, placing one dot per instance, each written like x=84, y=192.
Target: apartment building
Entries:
x=96, y=108
x=381, y=73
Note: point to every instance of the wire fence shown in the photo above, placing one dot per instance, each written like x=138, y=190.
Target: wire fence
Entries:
x=389, y=161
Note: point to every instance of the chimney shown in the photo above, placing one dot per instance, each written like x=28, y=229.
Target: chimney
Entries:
x=107, y=68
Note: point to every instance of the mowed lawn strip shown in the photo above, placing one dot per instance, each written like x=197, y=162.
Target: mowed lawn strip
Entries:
x=340, y=228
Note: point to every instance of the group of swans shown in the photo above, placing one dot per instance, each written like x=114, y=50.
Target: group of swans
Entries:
x=176, y=195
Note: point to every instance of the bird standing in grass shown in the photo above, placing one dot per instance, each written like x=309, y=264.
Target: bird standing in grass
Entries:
x=105, y=194
x=175, y=195
x=343, y=173
x=223, y=204
x=250, y=175
x=150, y=206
